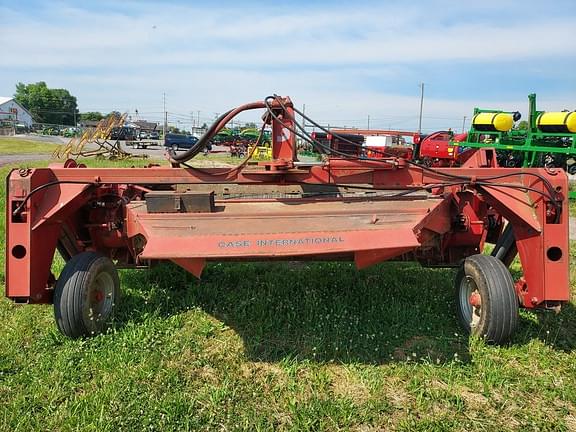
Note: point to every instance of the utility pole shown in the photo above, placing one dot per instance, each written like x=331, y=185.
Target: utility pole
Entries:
x=165, y=126
x=421, y=105
x=368, y=122
x=463, y=124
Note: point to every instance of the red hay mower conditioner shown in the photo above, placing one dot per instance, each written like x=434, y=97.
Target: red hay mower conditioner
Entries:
x=344, y=207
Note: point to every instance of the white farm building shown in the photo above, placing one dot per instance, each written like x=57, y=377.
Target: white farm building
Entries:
x=12, y=111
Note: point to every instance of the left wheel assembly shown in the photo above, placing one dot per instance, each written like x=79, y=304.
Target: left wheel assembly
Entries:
x=86, y=295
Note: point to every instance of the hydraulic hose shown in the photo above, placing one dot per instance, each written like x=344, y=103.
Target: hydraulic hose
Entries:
x=216, y=127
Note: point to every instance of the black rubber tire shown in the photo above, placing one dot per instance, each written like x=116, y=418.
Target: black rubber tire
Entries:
x=72, y=290
x=572, y=169
x=498, y=313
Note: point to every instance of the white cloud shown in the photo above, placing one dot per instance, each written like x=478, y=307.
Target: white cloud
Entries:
x=188, y=35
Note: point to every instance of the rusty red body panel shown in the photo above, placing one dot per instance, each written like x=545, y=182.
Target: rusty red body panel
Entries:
x=437, y=217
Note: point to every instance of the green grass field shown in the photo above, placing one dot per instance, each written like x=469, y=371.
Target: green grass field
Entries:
x=14, y=146
x=301, y=347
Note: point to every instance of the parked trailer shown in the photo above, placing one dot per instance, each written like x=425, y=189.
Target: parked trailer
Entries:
x=342, y=143
x=382, y=143
x=143, y=144
x=104, y=218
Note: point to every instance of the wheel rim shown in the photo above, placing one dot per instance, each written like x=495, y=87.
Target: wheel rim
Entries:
x=470, y=302
x=99, y=298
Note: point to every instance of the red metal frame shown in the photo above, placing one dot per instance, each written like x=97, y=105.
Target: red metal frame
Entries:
x=105, y=210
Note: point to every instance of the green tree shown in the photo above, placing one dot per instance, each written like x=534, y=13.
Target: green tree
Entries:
x=54, y=106
x=92, y=115
x=523, y=125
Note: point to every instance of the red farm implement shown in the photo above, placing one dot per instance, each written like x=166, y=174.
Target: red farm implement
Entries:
x=344, y=207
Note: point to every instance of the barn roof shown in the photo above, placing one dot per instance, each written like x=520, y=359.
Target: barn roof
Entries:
x=4, y=99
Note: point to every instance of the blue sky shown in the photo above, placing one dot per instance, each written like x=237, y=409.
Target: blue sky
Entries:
x=344, y=60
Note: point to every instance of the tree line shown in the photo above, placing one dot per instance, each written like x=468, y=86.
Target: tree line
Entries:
x=53, y=105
